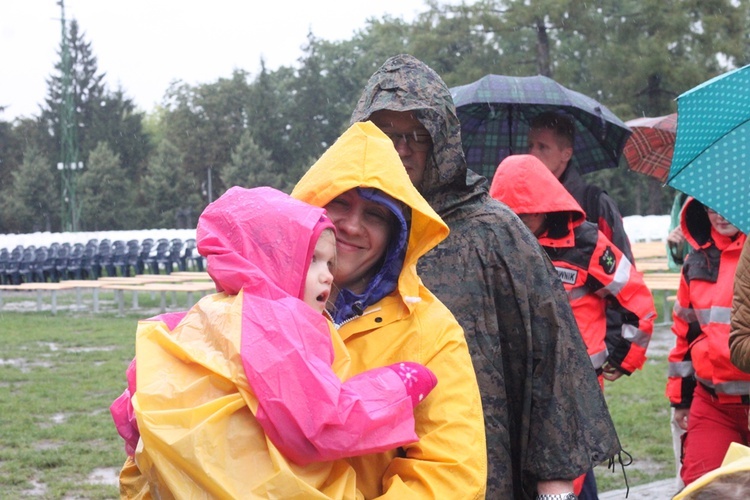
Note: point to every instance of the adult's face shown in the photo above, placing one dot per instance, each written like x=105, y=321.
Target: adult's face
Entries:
x=720, y=224
x=535, y=222
x=362, y=231
x=410, y=138
x=545, y=146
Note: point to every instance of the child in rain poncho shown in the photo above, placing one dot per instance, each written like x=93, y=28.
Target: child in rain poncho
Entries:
x=247, y=373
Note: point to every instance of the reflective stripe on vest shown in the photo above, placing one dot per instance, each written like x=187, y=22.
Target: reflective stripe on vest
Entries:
x=714, y=314
x=598, y=359
x=577, y=293
x=636, y=336
x=620, y=279
x=733, y=387
x=681, y=369
x=684, y=313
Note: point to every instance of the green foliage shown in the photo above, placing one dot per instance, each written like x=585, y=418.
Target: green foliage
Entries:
x=35, y=194
x=251, y=166
x=105, y=191
x=634, y=56
x=115, y=122
x=87, y=89
x=167, y=189
x=205, y=124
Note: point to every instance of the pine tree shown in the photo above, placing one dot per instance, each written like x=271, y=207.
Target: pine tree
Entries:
x=101, y=115
x=168, y=194
x=105, y=191
x=251, y=166
x=34, y=204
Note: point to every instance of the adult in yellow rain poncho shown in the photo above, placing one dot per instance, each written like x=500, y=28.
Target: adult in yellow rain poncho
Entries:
x=392, y=316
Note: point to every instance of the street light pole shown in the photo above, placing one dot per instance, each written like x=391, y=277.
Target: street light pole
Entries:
x=68, y=136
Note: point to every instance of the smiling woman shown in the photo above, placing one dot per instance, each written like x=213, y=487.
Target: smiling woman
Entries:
x=384, y=313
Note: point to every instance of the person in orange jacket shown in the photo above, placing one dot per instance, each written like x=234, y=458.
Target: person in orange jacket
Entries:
x=709, y=394
x=592, y=269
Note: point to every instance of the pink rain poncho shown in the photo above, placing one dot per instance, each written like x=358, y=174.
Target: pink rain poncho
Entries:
x=255, y=357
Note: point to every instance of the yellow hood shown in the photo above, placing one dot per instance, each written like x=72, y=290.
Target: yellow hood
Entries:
x=737, y=459
x=365, y=157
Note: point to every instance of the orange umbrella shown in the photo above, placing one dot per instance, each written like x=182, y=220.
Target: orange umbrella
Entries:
x=649, y=149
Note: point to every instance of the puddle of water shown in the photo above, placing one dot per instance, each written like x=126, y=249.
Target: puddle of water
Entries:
x=37, y=489
x=24, y=364
x=102, y=475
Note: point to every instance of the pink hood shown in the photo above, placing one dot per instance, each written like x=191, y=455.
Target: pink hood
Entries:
x=259, y=238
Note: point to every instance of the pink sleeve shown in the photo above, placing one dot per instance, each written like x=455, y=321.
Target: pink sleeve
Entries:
x=304, y=408
x=123, y=414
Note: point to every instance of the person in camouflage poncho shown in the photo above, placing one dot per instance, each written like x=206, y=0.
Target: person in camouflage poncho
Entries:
x=546, y=420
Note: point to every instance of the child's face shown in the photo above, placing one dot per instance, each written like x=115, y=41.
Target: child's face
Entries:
x=319, y=275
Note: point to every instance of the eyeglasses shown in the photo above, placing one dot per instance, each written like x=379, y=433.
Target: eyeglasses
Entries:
x=415, y=141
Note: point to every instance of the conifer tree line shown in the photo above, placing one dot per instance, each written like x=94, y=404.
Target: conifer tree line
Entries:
x=159, y=168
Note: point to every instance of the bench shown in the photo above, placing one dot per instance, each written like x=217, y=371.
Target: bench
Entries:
x=652, y=265
x=53, y=288
x=648, y=250
x=665, y=284
x=190, y=287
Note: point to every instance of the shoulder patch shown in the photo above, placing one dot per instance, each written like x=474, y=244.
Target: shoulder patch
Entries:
x=608, y=261
x=567, y=276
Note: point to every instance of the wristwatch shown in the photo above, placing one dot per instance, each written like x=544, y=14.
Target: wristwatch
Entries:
x=557, y=496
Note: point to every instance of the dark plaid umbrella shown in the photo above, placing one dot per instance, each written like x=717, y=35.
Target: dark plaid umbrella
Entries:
x=649, y=150
x=495, y=112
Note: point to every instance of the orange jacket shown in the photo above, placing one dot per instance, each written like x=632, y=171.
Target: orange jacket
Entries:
x=701, y=315
x=592, y=269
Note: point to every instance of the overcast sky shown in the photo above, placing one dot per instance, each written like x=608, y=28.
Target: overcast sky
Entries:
x=143, y=45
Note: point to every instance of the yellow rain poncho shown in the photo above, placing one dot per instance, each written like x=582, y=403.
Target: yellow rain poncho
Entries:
x=251, y=362
x=449, y=460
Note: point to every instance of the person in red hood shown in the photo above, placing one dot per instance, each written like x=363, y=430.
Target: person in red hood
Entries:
x=709, y=394
x=591, y=268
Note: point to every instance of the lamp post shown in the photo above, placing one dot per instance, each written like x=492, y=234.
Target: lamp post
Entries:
x=68, y=136
x=70, y=207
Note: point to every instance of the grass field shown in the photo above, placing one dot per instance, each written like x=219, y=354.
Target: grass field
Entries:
x=59, y=374
x=640, y=412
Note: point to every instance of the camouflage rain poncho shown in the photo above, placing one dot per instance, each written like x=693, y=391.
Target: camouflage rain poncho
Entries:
x=545, y=415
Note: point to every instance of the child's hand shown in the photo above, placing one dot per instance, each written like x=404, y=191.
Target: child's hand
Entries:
x=418, y=379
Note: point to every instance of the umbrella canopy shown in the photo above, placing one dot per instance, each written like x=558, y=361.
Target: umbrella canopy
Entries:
x=712, y=150
x=495, y=112
x=649, y=150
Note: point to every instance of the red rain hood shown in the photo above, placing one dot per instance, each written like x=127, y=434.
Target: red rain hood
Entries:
x=528, y=187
